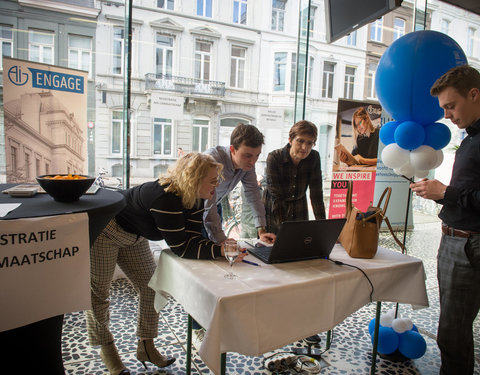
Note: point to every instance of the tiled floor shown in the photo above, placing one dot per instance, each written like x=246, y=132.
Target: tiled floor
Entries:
x=350, y=352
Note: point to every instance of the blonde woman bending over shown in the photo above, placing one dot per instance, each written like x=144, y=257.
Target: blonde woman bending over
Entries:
x=170, y=209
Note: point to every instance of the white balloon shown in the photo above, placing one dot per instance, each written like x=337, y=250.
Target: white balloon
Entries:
x=405, y=170
x=423, y=158
x=421, y=174
x=439, y=159
x=393, y=156
x=386, y=320
x=409, y=323
x=399, y=325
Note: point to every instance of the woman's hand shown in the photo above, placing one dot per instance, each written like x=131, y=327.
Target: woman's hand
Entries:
x=242, y=251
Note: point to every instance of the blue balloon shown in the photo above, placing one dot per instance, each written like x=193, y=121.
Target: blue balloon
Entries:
x=412, y=344
x=409, y=135
x=437, y=135
x=387, y=340
x=409, y=68
x=387, y=132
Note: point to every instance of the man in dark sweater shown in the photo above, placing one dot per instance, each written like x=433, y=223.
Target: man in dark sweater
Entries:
x=458, y=273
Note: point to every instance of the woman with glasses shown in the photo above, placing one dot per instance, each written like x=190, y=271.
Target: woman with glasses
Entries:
x=171, y=209
x=365, y=139
x=290, y=171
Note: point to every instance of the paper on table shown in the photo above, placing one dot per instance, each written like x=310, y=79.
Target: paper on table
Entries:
x=5, y=208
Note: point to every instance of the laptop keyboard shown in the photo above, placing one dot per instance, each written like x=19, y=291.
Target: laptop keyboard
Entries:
x=262, y=252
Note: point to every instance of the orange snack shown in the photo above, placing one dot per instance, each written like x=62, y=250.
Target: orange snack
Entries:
x=66, y=177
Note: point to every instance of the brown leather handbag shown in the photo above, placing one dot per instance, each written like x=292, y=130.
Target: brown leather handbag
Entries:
x=360, y=234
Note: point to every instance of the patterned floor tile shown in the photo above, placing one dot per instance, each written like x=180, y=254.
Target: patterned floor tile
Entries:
x=350, y=351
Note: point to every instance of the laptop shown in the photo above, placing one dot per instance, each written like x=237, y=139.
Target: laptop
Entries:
x=301, y=240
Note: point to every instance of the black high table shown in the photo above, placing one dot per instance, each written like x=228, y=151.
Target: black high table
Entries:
x=38, y=346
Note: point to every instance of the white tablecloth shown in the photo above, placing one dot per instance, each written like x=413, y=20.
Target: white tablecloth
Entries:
x=271, y=306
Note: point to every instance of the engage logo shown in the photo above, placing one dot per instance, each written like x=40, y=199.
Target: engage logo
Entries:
x=17, y=76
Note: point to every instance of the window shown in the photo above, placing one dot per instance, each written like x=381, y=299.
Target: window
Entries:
x=313, y=12
x=202, y=60
x=293, y=72
x=305, y=22
x=200, y=135
x=311, y=60
x=376, y=30
x=398, y=28
x=37, y=167
x=470, y=41
x=41, y=46
x=117, y=127
x=80, y=53
x=328, y=78
x=237, y=67
x=165, y=4
x=14, y=161
x=445, y=26
x=240, y=11
x=280, y=67
x=6, y=42
x=352, y=38
x=372, y=68
x=349, y=82
x=162, y=136
x=204, y=8
x=27, y=166
x=117, y=50
x=278, y=14
x=164, y=55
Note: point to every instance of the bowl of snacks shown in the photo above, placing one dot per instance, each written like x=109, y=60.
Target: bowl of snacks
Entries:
x=65, y=187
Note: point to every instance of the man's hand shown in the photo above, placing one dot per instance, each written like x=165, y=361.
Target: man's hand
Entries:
x=429, y=189
x=268, y=237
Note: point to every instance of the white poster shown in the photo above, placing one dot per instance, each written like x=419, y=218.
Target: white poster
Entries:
x=45, y=110
x=44, y=268
x=166, y=106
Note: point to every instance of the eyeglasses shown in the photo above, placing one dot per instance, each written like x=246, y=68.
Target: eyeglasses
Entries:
x=302, y=142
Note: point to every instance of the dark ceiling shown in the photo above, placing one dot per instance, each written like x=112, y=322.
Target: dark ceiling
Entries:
x=470, y=5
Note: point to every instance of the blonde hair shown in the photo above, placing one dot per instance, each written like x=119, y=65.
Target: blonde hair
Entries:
x=185, y=176
x=363, y=115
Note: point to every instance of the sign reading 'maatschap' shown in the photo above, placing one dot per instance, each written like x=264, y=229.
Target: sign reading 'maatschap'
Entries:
x=44, y=268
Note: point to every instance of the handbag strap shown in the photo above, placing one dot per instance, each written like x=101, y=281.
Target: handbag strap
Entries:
x=399, y=243
x=348, y=200
x=386, y=193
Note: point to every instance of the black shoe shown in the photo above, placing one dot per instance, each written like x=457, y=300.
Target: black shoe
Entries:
x=313, y=340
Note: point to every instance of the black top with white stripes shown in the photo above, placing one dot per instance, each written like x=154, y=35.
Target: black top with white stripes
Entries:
x=155, y=214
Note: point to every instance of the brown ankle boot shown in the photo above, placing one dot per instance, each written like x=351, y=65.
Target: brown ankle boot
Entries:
x=112, y=360
x=146, y=351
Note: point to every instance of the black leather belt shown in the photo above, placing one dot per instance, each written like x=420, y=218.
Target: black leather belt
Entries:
x=457, y=232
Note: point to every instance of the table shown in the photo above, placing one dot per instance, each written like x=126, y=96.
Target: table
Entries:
x=271, y=306
x=39, y=344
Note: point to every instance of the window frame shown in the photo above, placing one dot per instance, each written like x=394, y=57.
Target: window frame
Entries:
x=168, y=48
x=238, y=6
x=5, y=40
x=162, y=123
x=376, y=30
x=80, y=51
x=238, y=60
x=328, y=80
x=42, y=46
x=199, y=74
x=278, y=14
x=349, y=83
x=206, y=8
x=201, y=127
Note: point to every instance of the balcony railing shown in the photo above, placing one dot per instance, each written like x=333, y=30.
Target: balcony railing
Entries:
x=191, y=86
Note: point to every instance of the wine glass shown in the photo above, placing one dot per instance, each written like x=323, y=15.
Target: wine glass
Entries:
x=232, y=251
